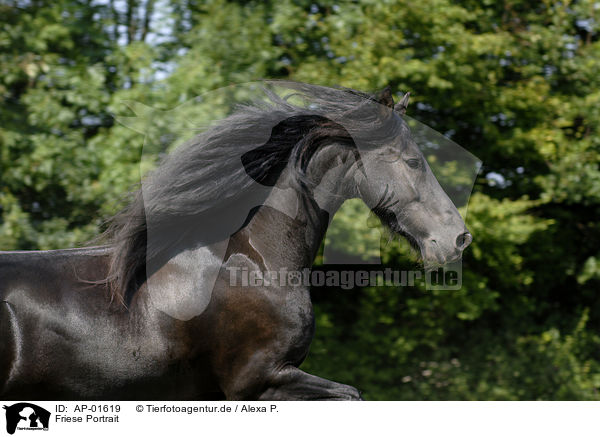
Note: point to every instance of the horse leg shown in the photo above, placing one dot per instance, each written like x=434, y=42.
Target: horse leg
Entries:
x=259, y=379
x=263, y=335
x=7, y=343
x=292, y=383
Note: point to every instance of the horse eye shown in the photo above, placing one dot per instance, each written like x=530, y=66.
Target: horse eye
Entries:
x=413, y=163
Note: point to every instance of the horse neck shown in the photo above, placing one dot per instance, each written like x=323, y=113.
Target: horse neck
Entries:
x=286, y=232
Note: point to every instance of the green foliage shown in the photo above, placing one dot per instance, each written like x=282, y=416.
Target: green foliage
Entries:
x=354, y=220
x=514, y=82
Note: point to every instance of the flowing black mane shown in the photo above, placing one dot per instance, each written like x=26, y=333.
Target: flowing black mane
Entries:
x=221, y=167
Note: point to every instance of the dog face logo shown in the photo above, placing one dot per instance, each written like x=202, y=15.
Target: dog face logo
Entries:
x=25, y=416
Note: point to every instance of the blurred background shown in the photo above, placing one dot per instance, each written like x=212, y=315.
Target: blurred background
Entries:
x=514, y=82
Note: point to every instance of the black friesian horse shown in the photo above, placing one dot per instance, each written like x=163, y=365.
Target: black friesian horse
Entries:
x=155, y=313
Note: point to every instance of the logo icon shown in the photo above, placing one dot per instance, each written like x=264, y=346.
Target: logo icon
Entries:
x=25, y=416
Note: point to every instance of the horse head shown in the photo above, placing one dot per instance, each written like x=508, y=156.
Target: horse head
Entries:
x=400, y=187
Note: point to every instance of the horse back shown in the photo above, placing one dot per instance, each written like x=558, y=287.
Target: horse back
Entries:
x=48, y=271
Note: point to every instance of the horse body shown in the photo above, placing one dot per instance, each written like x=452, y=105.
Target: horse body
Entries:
x=66, y=341
x=188, y=330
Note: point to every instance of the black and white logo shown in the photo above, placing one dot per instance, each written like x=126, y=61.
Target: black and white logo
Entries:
x=26, y=417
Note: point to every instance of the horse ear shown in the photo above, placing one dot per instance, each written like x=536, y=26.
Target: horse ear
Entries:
x=402, y=104
x=385, y=97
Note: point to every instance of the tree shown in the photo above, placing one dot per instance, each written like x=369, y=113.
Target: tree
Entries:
x=513, y=82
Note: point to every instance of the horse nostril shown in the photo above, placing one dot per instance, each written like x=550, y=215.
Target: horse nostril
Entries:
x=463, y=240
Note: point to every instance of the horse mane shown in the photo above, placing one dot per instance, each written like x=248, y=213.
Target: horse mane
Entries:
x=210, y=172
